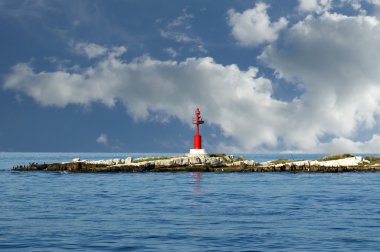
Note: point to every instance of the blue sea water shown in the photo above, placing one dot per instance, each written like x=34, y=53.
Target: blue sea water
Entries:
x=56, y=211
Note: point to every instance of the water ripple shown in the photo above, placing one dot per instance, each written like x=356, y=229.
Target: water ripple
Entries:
x=45, y=211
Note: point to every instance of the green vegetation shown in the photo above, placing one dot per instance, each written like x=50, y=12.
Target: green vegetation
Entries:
x=335, y=157
x=280, y=161
x=139, y=160
x=373, y=159
x=227, y=158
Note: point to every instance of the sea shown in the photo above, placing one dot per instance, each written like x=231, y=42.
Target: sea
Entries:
x=59, y=211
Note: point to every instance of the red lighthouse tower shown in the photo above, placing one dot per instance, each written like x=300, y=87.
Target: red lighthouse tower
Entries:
x=197, y=138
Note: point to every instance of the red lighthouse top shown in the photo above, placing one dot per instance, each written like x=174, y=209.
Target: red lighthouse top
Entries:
x=197, y=138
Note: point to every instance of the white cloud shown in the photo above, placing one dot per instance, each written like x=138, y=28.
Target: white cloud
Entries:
x=171, y=52
x=344, y=145
x=308, y=5
x=237, y=101
x=182, y=21
x=27, y=9
x=102, y=139
x=178, y=36
x=356, y=5
x=317, y=6
x=253, y=26
x=180, y=30
x=335, y=58
x=91, y=50
x=375, y=2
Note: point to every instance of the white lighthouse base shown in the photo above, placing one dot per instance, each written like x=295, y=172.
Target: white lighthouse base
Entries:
x=198, y=152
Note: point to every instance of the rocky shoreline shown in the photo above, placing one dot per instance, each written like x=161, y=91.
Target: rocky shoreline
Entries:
x=210, y=163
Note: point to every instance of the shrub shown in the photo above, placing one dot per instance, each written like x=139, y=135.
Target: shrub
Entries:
x=373, y=159
x=280, y=161
x=335, y=157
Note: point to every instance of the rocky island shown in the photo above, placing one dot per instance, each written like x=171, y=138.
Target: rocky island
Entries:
x=210, y=163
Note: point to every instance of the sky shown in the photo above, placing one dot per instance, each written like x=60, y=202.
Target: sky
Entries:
x=126, y=76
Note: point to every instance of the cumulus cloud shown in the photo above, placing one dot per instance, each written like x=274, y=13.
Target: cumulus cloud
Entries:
x=375, y=2
x=317, y=6
x=356, y=5
x=253, y=26
x=102, y=139
x=335, y=59
x=237, y=101
x=345, y=145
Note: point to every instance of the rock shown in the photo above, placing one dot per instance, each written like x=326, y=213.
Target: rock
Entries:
x=351, y=161
x=185, y=161
x=116, y=160
x=177, y=161
x=101, y=162
x=128, y=160
x=194, y=160
x=202, y=158
x=180, y=161
x=164, y=162
x=214, y=161
x=249, y=162
x=237, y=163
x=217, y=163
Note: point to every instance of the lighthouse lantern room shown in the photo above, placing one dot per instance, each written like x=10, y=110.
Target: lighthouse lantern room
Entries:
x=197, y=137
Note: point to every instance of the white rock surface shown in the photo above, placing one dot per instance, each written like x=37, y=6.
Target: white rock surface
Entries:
x=227, y=160
x=175, y=161
x=128, y=160
x=351, y=161
x=116, y=161
x=105, y=162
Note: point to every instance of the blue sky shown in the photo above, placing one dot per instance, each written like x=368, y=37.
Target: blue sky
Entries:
x=268, y=76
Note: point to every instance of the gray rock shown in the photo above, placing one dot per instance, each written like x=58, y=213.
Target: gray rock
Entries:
x=194, y=160
x=164, y=162
x=237, y=163
x=249, y=162
x=216, y=161
x=128, y=160
x=116, y=160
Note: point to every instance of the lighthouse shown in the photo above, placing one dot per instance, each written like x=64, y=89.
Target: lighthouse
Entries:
x=197, y=137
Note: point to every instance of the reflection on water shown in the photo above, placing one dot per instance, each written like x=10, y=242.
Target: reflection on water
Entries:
x=197, y=176
x=197, y=213
x=43, y=211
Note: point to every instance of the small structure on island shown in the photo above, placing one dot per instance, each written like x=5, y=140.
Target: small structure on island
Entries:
x=197, y=138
